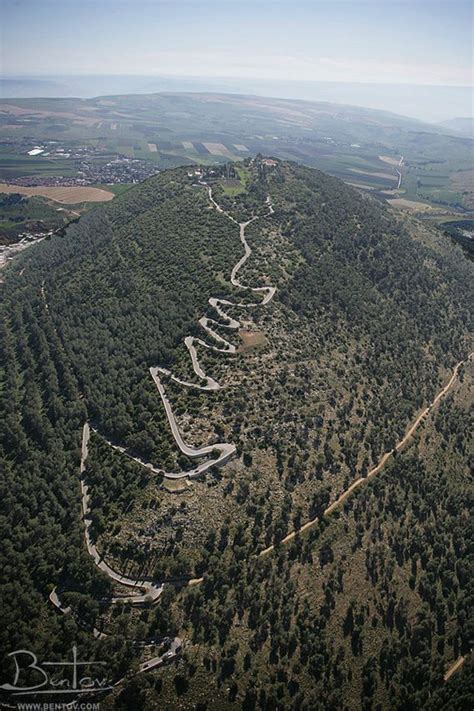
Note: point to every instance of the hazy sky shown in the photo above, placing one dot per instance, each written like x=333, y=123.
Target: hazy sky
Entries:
x=407, y=41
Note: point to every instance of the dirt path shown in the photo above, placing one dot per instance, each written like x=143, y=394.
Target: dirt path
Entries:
x=376, y=470
x=454, y=668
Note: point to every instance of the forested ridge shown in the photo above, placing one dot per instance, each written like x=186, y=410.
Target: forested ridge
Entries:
x=370, y=316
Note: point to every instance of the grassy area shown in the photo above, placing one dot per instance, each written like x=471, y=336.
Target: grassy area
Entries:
x=232, y=187
x=116, y=189
x=244, y=174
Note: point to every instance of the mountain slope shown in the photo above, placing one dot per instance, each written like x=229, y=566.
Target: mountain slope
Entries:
x=324, y=375
x=463, y=126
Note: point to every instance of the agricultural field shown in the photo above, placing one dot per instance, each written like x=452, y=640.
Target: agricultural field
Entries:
x=113, y=140
x=67, y=195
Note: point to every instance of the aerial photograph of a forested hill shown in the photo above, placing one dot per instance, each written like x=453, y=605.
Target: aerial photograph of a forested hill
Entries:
x=237, y=356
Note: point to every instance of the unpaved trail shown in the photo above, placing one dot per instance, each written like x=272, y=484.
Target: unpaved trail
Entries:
x=376, y=470
x=454, y=668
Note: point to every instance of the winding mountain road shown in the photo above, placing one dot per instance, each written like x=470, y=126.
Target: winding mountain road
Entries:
x=152, y=590
x=231, y=323
x=223, y=450
x=399, y=173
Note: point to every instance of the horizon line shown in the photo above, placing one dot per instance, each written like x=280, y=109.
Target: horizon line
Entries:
x=233, y=78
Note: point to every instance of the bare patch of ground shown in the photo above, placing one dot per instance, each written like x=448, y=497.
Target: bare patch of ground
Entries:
x=217, y=149
x=410, y=205
x=252, y=339
x=359, y=185
x=389, y=176
x=389, y=159
x=176, y=486
x=66, y=195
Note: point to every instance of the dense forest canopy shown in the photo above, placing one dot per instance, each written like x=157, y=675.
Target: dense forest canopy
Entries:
x=370, y=315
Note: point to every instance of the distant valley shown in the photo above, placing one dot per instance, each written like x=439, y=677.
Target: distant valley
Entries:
x=122, y=139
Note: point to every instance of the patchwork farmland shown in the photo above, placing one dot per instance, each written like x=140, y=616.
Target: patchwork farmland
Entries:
x=123, y=139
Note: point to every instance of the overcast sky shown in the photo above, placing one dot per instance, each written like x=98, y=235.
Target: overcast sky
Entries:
x=415, y=41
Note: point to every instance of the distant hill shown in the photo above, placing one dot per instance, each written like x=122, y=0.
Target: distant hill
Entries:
x=428, y=103
x=328, y=324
